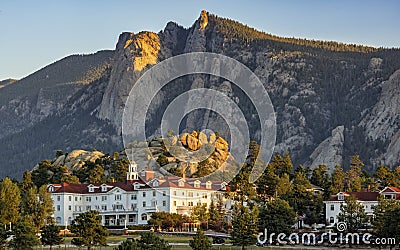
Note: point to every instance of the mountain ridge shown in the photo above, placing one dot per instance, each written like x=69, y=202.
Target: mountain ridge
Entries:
x=315, y=86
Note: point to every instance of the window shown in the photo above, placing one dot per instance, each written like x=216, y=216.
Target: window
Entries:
x=58, y=207
x=104, y=188
x=332, y=207
x=183, y=203
x=175, y=203
x=175, y=193
x=341, y=197
x=103, y=198
x=144, y=204
x=154, y=203
x=119, y=207
x=204, y=196
x=164, y=193
x=154, y=193
x=144, y=194
x=164, y=203
x=133, y=196
x=208, y=185
x=69, y=207
x=104, y=207
x=190, y=194
x=197, y=184
x=88, y=199
x=70, y=198
x=88, y=208
x=389, y=196
x=91, y=189
x=136, y=186
x=58, y=198
x=190, y=203
x=51, y=189
x=144, y=216
x=76, y=198
x=117, y=197
x=183, y=193
x=331, y=220
x=181, y=183
x=58, y=220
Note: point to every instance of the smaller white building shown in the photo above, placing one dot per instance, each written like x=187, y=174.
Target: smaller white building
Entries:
x=368, y=199
x=132, y=202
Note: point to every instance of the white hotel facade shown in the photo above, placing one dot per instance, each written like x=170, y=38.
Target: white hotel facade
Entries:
x=367, y=199
x=132, y=202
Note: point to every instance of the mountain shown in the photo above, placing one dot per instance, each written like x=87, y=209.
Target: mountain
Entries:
x=332, y=100
x=6, y=82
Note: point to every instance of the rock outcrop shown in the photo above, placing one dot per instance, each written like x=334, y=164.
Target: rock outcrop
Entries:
x=330, y=151
x=383, y=122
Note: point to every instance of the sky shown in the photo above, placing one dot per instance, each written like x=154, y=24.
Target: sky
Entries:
x=34, y=34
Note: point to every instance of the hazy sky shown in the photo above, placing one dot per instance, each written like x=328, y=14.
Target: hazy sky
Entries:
x=36, y=33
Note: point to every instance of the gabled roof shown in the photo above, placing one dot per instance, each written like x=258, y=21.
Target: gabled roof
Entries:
x=390, y=190
x=170, y=181
x=83, y=188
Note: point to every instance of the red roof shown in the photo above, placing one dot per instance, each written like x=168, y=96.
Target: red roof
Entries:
x=84, y=188
x=129, y=185
x=361, y=196
x=368, y=196
x=390, y=190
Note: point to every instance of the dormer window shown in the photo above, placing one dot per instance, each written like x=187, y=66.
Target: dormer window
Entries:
x=389, y=196
x=208, y=185
x=223, y=186
x=156, y=183
x=136, y=186
x=104, y=188
x=181, y=183
x=51, y=188
x=91, y=188
x=197, y=184
x=341, y=197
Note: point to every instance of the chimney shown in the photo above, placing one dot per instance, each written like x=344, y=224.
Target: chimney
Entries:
x=146, y=175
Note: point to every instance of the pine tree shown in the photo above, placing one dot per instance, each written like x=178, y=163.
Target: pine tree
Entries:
x=354, y=175
x=353, y=214
x=3, y=236
x=244, y=225
x=51, y=236
x=24, y=235
x=150, y=241
x=199, y=213
x=277, y=217
x=386, y=219
x=88, y=230
x=200, y=242
x=337, y=183
x=216, y=214
x=128, y=245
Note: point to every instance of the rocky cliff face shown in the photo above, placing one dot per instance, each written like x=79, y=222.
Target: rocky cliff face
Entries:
x=383, y=122
x=330, y=151
x=331, y=100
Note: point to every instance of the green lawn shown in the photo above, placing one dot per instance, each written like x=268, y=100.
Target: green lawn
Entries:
x=179, y=239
